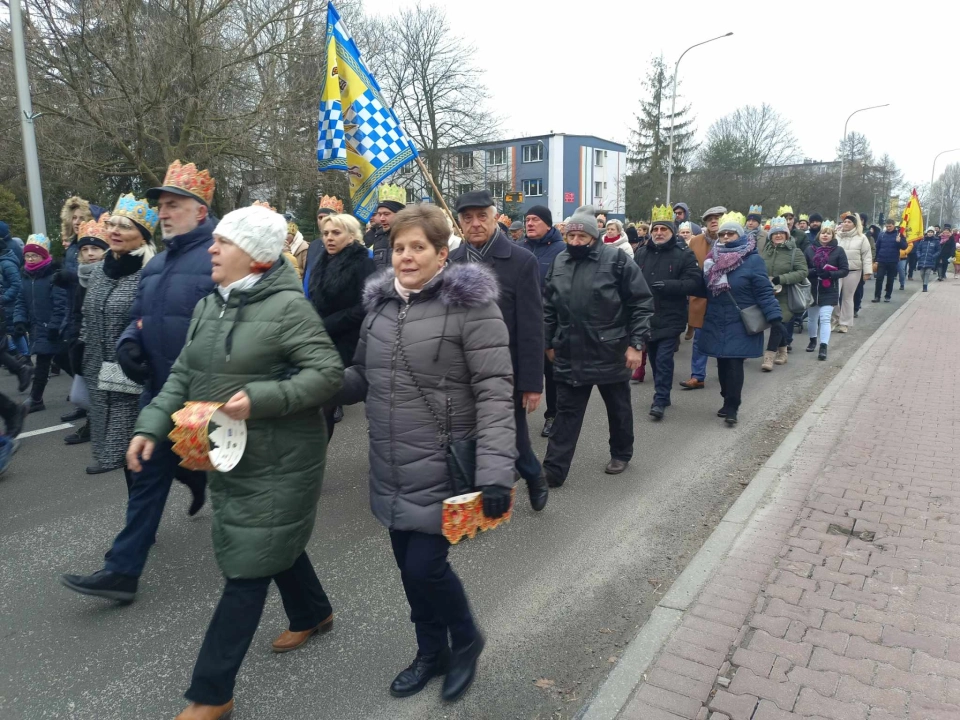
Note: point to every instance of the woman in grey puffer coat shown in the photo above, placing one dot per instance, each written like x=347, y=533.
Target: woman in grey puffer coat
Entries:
x=436, y=330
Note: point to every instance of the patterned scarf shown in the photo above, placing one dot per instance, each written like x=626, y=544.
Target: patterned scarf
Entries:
x=479, y=254
x=724, y=259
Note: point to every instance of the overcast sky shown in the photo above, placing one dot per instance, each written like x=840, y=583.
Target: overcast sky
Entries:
x=577, y=67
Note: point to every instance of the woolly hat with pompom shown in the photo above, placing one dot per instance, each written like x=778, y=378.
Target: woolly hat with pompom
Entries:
x=257, y=231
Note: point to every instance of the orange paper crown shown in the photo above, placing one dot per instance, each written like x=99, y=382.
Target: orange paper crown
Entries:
x=263, y=204
x=462, y=516
x=332, y=203
x=95, y=228
x=190, y=180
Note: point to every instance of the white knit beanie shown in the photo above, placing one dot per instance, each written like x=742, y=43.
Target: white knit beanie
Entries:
x=257, y=231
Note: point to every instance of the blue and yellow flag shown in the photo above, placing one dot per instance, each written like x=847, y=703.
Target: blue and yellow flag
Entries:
x=358, y=131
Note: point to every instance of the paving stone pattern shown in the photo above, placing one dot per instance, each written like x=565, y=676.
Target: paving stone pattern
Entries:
x=841, y=598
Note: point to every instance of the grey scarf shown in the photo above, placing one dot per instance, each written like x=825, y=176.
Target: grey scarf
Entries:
x=84, y=272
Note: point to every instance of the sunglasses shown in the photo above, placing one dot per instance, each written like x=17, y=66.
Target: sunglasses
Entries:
x=728, y=233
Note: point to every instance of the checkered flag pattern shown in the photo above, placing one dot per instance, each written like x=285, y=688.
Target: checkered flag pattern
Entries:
x=377, y=137
x=331, y=134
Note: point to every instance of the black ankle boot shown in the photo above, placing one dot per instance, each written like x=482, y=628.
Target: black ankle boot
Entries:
x=539, y=492
x=823, y=352
x=414, y=678
x=812, y=345
x=463, y=669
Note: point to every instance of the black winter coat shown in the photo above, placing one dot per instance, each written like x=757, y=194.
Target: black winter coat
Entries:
x=594, y=309
x=42, y=307
x=545, y=250
x=378, y=240
x=678, y=269
x=838, y=258
x=336, y=292
x=521, y=305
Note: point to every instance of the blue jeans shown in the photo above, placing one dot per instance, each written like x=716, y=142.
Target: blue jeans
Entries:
x=660, y=353
x=902, y=272
x=18, y=346
x=527, y=464
x=698, y=362
x=147, y=495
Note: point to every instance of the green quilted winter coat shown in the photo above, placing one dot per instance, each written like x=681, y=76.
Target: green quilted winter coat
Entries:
x=787, y=262
x=269, y=341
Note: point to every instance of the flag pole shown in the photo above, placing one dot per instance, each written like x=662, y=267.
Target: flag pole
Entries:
x=438, y=194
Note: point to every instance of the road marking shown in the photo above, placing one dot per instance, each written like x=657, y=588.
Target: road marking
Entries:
x=41, y=431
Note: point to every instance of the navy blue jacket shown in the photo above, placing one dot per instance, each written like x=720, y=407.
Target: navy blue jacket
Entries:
x=42, y=306
x=723, y=334
x=545, y=250
x=928, y=252
x=521, y=304
x=889, y=245
x=71, y=257
x=171, y=285
x=9, y=281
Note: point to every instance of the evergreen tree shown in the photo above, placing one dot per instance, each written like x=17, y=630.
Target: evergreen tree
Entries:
x=648, y=153
x=14, y=214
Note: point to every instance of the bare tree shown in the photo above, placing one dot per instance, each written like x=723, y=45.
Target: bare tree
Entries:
x=944, y=198
x=749, y=138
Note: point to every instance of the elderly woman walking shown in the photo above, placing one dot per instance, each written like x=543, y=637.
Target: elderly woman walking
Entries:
x=257, y=346
x=786, y=266
x=736, y=279
x=111, y=289
x=616, y=237
x=433, y=362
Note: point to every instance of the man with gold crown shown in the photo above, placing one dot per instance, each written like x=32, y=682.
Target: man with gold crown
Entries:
x=171, y=285
x=392, y=199
x=798, y=235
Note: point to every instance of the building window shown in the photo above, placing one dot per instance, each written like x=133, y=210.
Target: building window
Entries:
x=497, y=189
x=598, y=157
x=533, y=153
x=464, y=188
x=533, y=187
x=822, y=170
x=598, y=189
x=464, y=161
x=411, y=196
x=497, y=157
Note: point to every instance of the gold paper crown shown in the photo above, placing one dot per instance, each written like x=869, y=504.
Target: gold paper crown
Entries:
x=263, y=204
x=95, y=228
x=292, y=229
x=733, y=216
x=190, y=180
x=804, y=218
x=137, y=210
x=393, y=192
x=332, y=203
x=785, y=210
x=661, y=213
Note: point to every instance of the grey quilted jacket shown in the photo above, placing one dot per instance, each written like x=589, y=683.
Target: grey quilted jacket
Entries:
x=457, y=345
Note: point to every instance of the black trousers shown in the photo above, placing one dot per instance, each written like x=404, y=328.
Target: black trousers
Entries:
x=236, y=619
x=8, y=409
x=776, y=340
x=41, y=373
x=11, y=363
x=943, y=264
x=571, y=407
x=858, y=295
x=550, y=388
x=885, y=271
x=731, y=381
x=438, y=603
x=527, y=464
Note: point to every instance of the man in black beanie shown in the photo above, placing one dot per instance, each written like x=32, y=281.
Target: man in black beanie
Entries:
x=813, y=228
x=379, y=237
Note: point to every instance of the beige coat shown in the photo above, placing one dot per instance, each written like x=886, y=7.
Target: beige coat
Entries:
x=698, y=306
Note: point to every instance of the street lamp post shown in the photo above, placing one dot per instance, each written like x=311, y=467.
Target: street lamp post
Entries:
x=936, y=157
x=27, y=116
x=673, y=108
x=842, y=153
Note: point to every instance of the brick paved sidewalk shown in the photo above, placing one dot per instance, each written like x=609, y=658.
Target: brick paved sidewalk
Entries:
x=841, y=598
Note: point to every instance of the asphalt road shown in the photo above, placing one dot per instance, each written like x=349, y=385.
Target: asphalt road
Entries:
x=558, y=593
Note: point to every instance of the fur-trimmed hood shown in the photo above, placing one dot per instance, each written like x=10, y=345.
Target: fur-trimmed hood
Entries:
x=467, y=285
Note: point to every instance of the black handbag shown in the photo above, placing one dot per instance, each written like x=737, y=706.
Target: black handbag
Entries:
x=461, y=455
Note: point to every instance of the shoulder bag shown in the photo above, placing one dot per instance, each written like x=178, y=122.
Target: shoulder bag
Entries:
x=753, y=319
x=799, y=295
x=461, y=455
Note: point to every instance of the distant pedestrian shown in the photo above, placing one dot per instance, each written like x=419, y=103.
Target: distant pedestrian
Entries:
x=948, y=248
x=856, y=247
x=616, y=237
x=890, y=244
x=597, y=315
x=735, y=278
x=786, y=266
x=684, y=233
x=927, y=250
x=827, y=263
x=754, y=221
x=701, y=245
x=681, y=213
x=516, y=231
x=433, y=361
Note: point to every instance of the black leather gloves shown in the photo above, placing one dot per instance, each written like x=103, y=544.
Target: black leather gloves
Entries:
x=496, y=500
x=133, y=362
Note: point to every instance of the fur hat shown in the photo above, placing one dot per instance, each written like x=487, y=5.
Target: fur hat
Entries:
x=257, y=231
x=66, y=214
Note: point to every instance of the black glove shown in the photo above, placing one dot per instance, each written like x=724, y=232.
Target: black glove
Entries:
x=496, y=500
x=823, y=274
x=775, y=279
x=19, y=329
x=133, y=362
x=658, y=286
x=53, y=335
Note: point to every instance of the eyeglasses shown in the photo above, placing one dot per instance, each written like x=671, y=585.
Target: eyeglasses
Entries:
x=728, y=233
x=119, y=224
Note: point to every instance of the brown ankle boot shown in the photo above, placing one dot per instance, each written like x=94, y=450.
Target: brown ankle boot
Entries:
x=290, y=640
x=767, y=364
x=781, y=358
x=196, y=711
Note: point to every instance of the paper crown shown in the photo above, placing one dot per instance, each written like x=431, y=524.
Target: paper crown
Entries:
x=94, y=228
x=804, y=218
x=755, y=210
x=206, y=439
x=778, y=224
x=505, y=219
x=733, y=216
x=785, y=210
x=829, y=224
x=661, y=213
x=332, y=203
x=38, y=239
x=137, y=210
x=292, y=229
x=263, y=204
x=393, y=192
x=187, y=178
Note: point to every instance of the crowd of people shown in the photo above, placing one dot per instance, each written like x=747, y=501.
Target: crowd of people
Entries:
x=450, y=335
